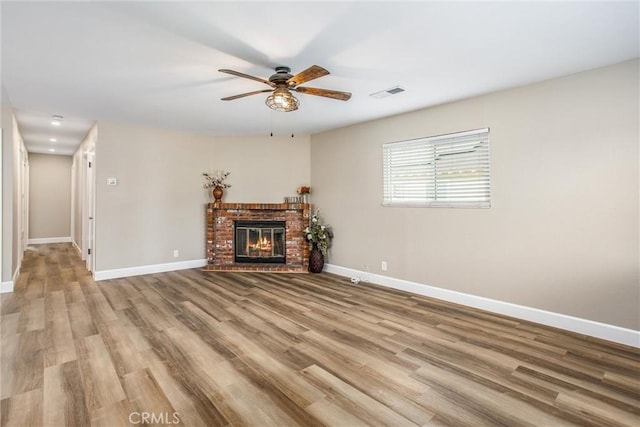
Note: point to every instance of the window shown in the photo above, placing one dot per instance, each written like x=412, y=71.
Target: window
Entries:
x=440, y=171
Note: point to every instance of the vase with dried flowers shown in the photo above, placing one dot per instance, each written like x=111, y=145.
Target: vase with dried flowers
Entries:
x=216, y=181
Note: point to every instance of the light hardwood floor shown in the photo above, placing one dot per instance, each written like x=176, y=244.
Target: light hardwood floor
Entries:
x=233, y=349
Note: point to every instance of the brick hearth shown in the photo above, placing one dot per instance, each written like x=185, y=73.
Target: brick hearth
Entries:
x=220, y=220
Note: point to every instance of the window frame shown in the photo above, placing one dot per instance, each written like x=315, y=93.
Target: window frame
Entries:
x=418, y=176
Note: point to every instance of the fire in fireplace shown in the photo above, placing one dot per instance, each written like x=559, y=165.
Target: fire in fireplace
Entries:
x=259, y=242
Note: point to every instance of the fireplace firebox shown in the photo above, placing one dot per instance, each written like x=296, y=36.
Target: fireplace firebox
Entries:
x=259, y=242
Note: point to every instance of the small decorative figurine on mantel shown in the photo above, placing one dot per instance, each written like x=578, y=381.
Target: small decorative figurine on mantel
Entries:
x=304, y=191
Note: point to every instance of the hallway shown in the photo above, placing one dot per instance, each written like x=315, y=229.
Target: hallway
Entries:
x=51, y=304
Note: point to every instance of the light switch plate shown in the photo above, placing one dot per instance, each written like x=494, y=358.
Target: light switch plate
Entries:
x=112, y=181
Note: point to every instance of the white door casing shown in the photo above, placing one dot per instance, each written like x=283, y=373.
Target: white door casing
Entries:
x=88, y=210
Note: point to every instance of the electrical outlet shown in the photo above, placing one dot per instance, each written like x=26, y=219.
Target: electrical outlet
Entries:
x=176, y=254
x=383, y=265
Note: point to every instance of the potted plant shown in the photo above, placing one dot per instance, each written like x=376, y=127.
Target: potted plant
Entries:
x=217, y=182
x=319, y=237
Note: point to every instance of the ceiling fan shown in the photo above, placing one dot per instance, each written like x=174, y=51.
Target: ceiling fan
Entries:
x=282, y=83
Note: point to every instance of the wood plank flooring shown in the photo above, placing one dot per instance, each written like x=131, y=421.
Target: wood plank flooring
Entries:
x=249, y=349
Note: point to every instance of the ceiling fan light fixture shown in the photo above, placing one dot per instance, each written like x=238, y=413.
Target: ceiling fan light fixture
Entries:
x=282, y=84
x=281, y=99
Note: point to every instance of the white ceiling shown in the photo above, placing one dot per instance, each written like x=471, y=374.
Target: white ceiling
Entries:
x=155, y=63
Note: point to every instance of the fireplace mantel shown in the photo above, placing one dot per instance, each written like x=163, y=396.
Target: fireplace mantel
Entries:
x=220, y=234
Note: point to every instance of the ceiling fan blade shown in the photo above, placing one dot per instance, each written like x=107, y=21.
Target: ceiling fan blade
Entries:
x=247, y=76
x=311, y=73
x=242, y=95
x=342, y=96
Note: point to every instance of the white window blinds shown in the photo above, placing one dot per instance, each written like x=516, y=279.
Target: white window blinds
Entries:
x=441, y=171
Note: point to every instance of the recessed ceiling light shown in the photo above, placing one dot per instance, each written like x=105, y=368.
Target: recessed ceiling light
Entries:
x=56, y=120
x=52, y=150
x=52, y=139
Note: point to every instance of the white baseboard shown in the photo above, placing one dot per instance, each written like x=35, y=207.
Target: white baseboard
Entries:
x=45, y=240
x=6, y=287
x=75, y=245
x=148, y=269
x=574, y=324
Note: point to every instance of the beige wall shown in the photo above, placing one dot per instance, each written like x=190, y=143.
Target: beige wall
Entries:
x=263, y=169
x=562, y=232
x=49, y=196
x=159, y=204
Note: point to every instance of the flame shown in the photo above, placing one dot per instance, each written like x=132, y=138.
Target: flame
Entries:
x=263, y=244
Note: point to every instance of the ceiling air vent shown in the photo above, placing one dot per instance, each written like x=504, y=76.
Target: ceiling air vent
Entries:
x=387, y=92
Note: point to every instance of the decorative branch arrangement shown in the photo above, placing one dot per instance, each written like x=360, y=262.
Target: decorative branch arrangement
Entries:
x=216, y=179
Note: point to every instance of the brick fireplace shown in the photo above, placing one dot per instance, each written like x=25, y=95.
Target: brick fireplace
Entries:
x=223, y=218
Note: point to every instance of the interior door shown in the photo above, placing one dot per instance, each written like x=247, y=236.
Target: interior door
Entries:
x=89, y=212
x=22, y=218
x=25, y=201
